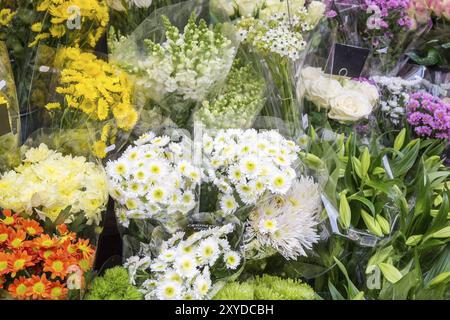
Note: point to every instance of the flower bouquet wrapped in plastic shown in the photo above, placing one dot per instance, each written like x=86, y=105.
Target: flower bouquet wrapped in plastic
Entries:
x=9, y=115
x=432, y=49
x=52, y=212
x=381, y=26
x=86, y=104
x=281, y=33
x=177, y=61
x=240, y=100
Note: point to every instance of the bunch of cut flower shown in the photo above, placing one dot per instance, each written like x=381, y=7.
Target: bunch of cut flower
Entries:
x=38, y=263
x=239, y=101
x=382, y=26
x=185, y=266
x=9, y=115
x=56, y=188
x=432, y=50
x=75, y=22
x=93, y=99
x=281, y=33
x=181, y=70
x=154, y=179
x=343, y=99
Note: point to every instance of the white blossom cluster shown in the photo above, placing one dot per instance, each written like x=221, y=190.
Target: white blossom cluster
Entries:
x=153, y=178
x=286, y=224
x=188, y=64
x=182, y=270
x=394, y=95
x=244, y=164
x=280, y=29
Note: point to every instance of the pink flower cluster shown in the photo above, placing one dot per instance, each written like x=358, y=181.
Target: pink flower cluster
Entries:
x=429, y=116
x=387, y=9
x=421, y=10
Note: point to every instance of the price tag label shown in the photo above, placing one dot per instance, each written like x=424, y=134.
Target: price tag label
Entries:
x=348, y=60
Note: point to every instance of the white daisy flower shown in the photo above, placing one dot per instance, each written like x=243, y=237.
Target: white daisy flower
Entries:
x=169, y=290
x=228, y=204
x=186, y=266
x=232, y=259
x=208, y=251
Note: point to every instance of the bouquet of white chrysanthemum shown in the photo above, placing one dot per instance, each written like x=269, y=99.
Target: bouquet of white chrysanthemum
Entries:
x=154, y=179
x=185, y=267
x=176, y=61
x=285, y=224
x=245, y=165
x=238, y=103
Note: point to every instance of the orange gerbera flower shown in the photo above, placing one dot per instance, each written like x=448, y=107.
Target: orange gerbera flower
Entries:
x=58, y=291
x=4, y=233
x=85, y=248
x=39, y=287
x=9, y=218
x=17, y=239
x=31, y=227
x=20, y=261
x=44, y=241
x=19, y=288
x=5, y=260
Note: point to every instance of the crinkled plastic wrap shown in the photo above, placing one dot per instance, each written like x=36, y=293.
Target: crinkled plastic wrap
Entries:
x=170, y=81
x=62, y=198
x=332, y=102
x=360, y=24
x=9, y=115
x=86, y=105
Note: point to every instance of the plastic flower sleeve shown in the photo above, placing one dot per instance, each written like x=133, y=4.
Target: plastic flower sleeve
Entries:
x=82, y=97
x=281, y=33
x=169, y=73
x=332, y=93
x=190, y=264
x=376, y=25
x=240, y=100
x=54, y=202
x=154, y=184
x=9, y=115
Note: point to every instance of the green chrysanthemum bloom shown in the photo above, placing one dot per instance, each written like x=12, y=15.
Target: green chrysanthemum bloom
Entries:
x=114, y=285
x=266, y=288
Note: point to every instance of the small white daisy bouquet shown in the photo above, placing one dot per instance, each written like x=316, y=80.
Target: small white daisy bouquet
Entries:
x=155, y=178
x=185, y=267
x=176, y=58
x=245, y=165
x=285, y=224
x=394, y=96
x=281, y=32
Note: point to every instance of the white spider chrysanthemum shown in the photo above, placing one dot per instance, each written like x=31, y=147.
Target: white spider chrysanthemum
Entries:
x=286, y=224
x=182, y=269
x=154, y=177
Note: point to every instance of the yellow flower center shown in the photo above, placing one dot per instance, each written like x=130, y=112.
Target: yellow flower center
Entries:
x=3, y=265
x=278, y=182
x=169, y=291
x=155, y=169
x=3, y=237
x=38, y=287
x=56, y=292
x=208, y=251
x=8, y=220
x=31, y=230
x=19, y=264
x=47, y=243
x=58, y=266
x=21, y=289
x=16, y=243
